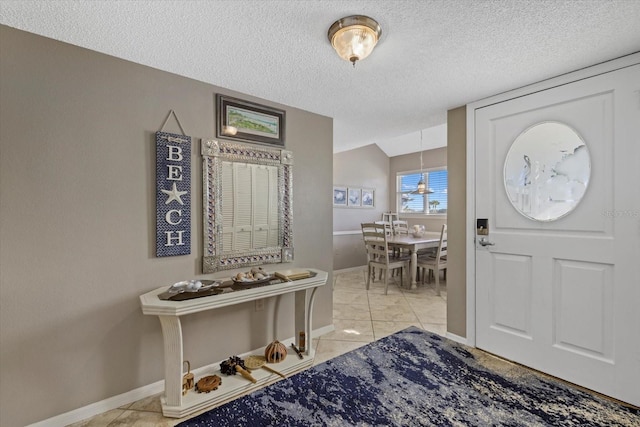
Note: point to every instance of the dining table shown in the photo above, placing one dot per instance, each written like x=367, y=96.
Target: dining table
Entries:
x=430, y=239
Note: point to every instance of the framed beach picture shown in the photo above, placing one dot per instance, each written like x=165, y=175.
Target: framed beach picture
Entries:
x=354, y=195
x=249, y=122
x=367, y=198
x=339, y=196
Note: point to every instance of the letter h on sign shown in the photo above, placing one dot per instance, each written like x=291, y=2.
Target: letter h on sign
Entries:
x=173, y=194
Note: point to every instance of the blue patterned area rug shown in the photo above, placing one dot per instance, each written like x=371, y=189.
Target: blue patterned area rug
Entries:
x=416, y=378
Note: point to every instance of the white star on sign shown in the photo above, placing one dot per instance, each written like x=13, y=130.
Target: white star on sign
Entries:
x=174, y=194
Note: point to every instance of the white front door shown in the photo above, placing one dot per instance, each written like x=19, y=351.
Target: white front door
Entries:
x=563, y=296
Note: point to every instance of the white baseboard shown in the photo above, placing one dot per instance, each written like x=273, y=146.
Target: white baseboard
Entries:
x=347, y=232
x=143, y=392
x=457, y=338
x=324, y=330
x=102, y=406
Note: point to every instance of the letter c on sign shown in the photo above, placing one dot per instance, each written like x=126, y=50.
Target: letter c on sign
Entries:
x=168, y=216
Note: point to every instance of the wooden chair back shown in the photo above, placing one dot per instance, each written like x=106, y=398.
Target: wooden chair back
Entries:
x=400, y=226
x=388, y=228
x=442, y=247
x=439, y=262
x=375, y=239
x=375, y=242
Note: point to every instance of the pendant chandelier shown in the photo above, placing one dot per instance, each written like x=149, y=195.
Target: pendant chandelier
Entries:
x=422, y=186
x=354, y=37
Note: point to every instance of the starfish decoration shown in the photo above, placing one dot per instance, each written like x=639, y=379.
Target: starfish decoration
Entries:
x=174, y=194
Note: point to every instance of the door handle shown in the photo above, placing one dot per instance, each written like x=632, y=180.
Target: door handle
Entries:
x=484, y=242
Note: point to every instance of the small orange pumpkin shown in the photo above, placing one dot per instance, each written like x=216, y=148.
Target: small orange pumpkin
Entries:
x=275, y=352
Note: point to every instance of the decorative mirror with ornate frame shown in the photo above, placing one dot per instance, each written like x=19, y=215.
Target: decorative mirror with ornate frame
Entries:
x=547, y=171
x=247, y=205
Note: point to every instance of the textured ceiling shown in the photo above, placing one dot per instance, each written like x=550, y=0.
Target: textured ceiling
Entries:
x=433, y=55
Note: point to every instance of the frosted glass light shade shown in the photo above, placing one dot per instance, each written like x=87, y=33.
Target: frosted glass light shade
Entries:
x=354, y=37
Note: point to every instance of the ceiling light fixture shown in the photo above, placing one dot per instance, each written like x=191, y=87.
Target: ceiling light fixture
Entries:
x=354, y=37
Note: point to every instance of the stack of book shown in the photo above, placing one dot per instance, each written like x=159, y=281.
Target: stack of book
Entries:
x=293, y=274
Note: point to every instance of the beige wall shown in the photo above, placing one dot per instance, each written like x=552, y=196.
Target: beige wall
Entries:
x=77, y=226
x=411, y=162
x=363, y=167
x=456, y=218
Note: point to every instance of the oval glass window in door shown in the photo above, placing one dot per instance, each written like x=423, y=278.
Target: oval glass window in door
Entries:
x=547, y=171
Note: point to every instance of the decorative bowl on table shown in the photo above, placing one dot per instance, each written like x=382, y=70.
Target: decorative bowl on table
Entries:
x=256, y=277
x=189, y=289
x=418, y=230
x=192, y=286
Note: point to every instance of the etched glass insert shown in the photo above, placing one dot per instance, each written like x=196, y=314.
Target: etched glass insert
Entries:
x=547, y=170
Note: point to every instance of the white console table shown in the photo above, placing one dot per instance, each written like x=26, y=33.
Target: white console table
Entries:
x=174, y=404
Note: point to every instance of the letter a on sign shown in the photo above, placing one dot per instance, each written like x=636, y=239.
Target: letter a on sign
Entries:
x=173, y=194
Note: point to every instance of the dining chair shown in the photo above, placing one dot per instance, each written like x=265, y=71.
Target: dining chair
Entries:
x=435, y=263
x=400, y=226
x=388, y=227
x=389, y=231
x=389, y=216
x=378, y=255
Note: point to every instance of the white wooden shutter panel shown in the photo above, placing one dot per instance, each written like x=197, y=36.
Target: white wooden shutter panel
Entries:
x=227, y=206
x=261, y=206
x=243, y=207
x=274, y=213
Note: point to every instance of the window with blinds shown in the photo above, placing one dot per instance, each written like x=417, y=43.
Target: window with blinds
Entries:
x=410, y=202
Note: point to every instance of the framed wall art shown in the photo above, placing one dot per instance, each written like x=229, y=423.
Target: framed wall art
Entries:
x=354, y=195
x=368, y=198
x=339, y=196
x=249, y=122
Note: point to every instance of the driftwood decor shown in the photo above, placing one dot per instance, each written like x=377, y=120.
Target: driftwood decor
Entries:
x=235, y=364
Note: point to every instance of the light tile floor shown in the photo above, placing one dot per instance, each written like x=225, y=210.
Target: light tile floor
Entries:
x=359, y=317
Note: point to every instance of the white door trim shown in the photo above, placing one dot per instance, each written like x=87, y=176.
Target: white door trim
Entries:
x=563, y=79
